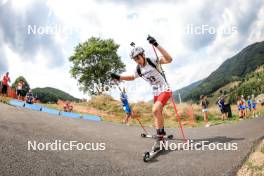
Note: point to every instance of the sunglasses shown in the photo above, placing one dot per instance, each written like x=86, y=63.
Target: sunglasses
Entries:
x=136, y=58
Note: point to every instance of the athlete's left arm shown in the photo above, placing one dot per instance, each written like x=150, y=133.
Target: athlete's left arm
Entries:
x=165, y=58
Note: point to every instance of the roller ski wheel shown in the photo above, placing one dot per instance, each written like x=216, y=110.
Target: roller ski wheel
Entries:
x=143, y=135
x=146, y=157
x=170, y=136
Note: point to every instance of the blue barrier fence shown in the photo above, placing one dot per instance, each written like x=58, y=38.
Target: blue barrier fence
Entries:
x=70, y=115
x=35, y=107
x=38, y=107
x=16, y=103
x=91, y=117
x=51, y=111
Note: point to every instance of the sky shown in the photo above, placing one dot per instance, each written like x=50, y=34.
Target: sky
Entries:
x=37, y=37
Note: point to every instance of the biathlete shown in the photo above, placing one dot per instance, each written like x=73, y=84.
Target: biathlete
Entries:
x=149, y=70
x=126, y=106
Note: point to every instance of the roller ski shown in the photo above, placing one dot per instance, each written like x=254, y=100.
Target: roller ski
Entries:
x=144, y=135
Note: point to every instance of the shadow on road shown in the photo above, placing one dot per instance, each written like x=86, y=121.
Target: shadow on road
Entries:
x=219, y=139
x=216, y=139
x=207, y=141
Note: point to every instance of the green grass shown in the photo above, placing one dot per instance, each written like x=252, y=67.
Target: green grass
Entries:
x=256, y=170
x=111, y=110
x=53, y=106
x=262, y=149
x=4, y=99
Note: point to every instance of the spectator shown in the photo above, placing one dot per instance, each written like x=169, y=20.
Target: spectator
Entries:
x=244, y=105
x=221, y=105
x=249, y=103
x=5, y=85
x=241, y=105
x=30, y=97
x=19, y=89
x=204, y=105
x=67, y=107
x=254, y=106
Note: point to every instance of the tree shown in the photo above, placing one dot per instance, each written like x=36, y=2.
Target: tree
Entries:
x=93, y=61
x=26, y=86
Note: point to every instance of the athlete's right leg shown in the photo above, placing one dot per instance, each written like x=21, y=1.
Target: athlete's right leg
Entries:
x=159, y=102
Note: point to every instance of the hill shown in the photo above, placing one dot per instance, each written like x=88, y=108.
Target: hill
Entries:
x=233, y=69
x=51, y=95
x=185, y=91
x=251, y=84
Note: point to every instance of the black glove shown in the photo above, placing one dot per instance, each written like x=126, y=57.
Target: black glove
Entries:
x=152, y=41
x=115, y=76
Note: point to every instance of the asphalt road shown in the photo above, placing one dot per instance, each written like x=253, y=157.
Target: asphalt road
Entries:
x=123, y=147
